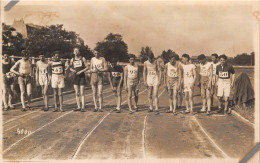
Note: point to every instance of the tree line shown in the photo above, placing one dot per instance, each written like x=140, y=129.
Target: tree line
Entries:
x=47, y=39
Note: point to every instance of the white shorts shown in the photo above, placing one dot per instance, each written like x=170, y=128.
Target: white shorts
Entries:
x=223, y=87
x=187, y=84
x=43, y=80
x=57, y=81
x=152, y=80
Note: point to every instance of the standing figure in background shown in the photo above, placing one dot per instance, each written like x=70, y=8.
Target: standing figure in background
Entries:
x=23, y=69
x=98, y=66
x=215, y=62
x=42, y=77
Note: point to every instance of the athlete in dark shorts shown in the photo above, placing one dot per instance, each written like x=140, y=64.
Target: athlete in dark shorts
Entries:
x=78, y=66
x=116, y=79
x=8, y=82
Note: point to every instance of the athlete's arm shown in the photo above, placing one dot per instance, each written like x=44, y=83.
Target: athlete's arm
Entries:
x=165, y=73
x=194, y=76
x=232, y=71
x=71, y=66
x=210, y=75
x=14, y=67
x=121, y=78
x=86, y=64
x=179, y=79
x=125, y=76
x=104, y=65
x=109, y=79
x=37, y=74
x=160, y=73
x=145, y=74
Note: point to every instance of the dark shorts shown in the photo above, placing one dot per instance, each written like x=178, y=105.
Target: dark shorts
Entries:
x=115, y=82
x=8, y=81
x=79, y=80
x=24, y=80
x=96, y=79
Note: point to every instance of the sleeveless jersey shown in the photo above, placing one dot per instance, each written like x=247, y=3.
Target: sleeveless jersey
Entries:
x=188, y=70
x=42, y=67
x=97, y=63
x=172, y=71
x=204, y=69
x=57, y=68
x=116, y=71
x=151, y=68
x=132, y=71
x=215, y=67
x=6, y=66
x=78, y=64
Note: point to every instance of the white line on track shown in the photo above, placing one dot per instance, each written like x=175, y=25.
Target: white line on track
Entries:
x=144, y=130
x=107, y=90
x=10, y=128
x=238, y=116
x=89, y=133
x=212, y=141
x=41, y=128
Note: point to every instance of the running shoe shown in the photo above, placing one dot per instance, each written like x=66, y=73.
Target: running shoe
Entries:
x=203, y=110
x=83, y=110
x=23, y=109
x=55, y=110
x=150, y=110
x=5, y=109
x=157, y=112
x=100, y=110
x=187, y=111
x=118, y=111
x=208, y=113
x=95, y=110
x=61, y=110
x=76, y=109
x=131, y=112
x=169, y=111
x=46, y=109
x=174, y=113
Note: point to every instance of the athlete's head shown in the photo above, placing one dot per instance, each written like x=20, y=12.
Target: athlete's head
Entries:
x=114, y=61
x=96, y=53
x=185, y=58
x=5, y=56
x=222, y=59
x=76, y=51
x=56, y=56
x=131, y=58
x=202, y=58
x=172, y=58
x=177, y=57
x=25, y=54
x=150, y=56
x=42, y=57
x=214, y=57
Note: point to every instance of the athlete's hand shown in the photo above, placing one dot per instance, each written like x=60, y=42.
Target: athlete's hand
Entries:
x=232, y=84
x=126, y=89
x=78, y=73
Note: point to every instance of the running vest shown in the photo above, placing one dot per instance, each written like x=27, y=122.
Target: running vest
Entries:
x=78, y=64
x=215, y=67
x=42, y=67
x=151, y=68
x=204, y=69
x=116, y=71
x=188, y=70
x=97, y=63
x=132, y=71
x=57, y=68
x=172, y=71
x=6, y=66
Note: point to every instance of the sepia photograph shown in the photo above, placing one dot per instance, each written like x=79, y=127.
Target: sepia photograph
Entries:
x=130, y=81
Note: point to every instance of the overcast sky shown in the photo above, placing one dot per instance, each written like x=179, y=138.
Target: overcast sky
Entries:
x=184, y=28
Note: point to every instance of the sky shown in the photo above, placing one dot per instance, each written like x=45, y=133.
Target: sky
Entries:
x=192, y=28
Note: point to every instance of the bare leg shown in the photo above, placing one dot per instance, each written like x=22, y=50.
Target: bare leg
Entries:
x=186, y=96
x=76, y=88
x=46, y=98
x=60, y=98
x=203, y=96
x=94, y=93
x=82, y=94
x=174, y=99
x=226, y=104
x=156, y=99
x=55, y=93
x=29, y=94
x=150, y=97
x=136, y=96
x=191, y=100
x=11, y=94
x=171, y=99
x=100, y=95
x=119, y=97
x=208, y=99
x=22, y=89
x=129, y=99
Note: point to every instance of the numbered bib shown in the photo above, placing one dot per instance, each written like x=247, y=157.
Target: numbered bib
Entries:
x=77, y=64
x=151, y=73
x=57, y=70
x=132, y=73
x=116, y=74
x=203, y=71
x=42, y=71
x=98, y=66
x=173, y=73
x=223, y=74
x=188, y=74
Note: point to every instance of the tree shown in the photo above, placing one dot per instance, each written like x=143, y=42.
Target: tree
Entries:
x=113, y=46
x=165, y=55
x=145, y=51
x=244, y=59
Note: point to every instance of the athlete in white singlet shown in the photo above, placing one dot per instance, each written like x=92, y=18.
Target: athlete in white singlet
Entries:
x=205, y=78
x=57, y=80
x=43, y=79
x=98, y=66
x=189, y=77
x=23, y=69
x=172, y=80
x=152, y=80
x=215, y=62
x=132, y=80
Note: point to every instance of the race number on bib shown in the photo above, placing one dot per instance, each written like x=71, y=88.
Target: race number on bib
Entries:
x=203, y=71
x=223, y=74
x=98, y=66
x=77, y=64
x=151, y=73
x=42, y=70
x=57, y=70
x=115, y=74
x=173, y=73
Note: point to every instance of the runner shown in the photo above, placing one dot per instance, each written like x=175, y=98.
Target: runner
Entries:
x=172, y=80
x=23, y=69
x=116, y=79
x=152, y=80
x=189, y=77
x=8, y=82
x=132, y=81
x=78, y=66
x=205, y=78
x=57, y=80
x=98, y=65
x=215, y=62
x=43, y=79
x=224, y=73
x=180, y=93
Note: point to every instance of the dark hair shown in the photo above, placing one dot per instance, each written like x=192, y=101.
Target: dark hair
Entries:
x=24, y=53
x=223, y=56
x=215, y=55
x=177, y=57
x=151, y=55
x=186, y=56
x=131, y=56
x=56, y=52
x=201, y=57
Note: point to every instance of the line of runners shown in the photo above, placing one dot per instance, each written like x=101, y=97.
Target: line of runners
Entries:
x=214, y=79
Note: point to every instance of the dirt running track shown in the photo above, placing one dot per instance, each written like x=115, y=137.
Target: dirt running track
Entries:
x=109, y=135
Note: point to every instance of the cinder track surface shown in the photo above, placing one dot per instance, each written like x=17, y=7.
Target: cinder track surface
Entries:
x=110, y=135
